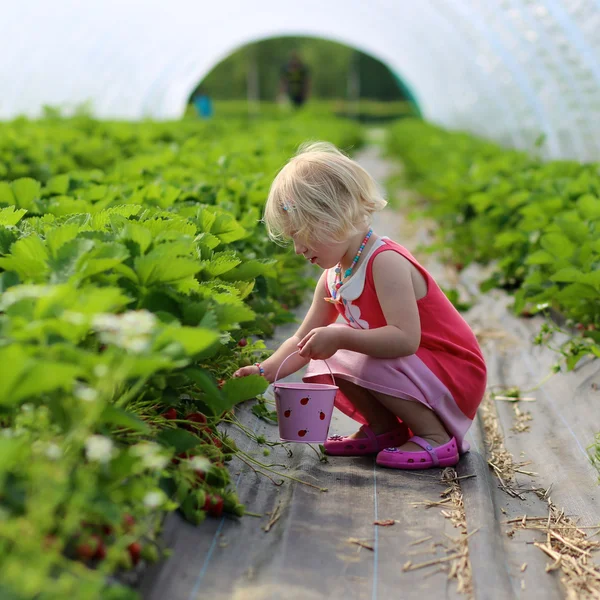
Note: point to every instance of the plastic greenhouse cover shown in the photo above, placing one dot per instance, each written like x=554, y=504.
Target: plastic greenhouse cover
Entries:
x=510, y=70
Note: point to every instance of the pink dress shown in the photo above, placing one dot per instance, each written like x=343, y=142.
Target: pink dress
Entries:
x=447, y=373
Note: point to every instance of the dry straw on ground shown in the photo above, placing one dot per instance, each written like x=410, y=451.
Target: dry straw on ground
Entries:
x=568, y=546
x=456, y=563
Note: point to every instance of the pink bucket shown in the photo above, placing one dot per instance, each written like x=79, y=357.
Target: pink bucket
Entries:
x=304, y=409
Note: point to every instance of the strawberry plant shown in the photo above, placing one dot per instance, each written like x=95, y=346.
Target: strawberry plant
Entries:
x=135, y=277
x=537, y=223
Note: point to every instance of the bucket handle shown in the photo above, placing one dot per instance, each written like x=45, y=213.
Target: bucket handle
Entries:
x=290, y=356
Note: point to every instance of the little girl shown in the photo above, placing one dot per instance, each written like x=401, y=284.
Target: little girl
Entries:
x=407, y=364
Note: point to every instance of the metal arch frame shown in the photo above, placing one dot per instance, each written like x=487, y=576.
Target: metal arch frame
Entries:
x=483, y=80
x=543, y=40
x=520, y=76
x=520, y=41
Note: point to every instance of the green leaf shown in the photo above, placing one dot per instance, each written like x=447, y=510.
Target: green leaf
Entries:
x=138, y=234
x=10, y=215
x=589, y=207
x=6, y=193
x=208, y=240
x=481, y=202
x=57, y=237
x=251, y=269
x=13, y=363
x=592, y=279
x=262, y=412
x=232, y=314
x=7, y=238
x=162, y=265
x=28, y=258
x=227, y=229
x=26, y=191
x=11, y=451
x=213, y=396
x=237, y=390
x=58, y=184
x=221, y=263
x=568, y=274
x=206, y=219
x=560, y=246
x=540, y=257
x=117, y=416
x=45, y=376
x=66, y=263
x=179, y=439
x=193, y=339
x=102, y=258
x=576, y=292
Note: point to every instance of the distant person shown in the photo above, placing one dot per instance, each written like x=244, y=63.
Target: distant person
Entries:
x=295, y=80
x=202, y=103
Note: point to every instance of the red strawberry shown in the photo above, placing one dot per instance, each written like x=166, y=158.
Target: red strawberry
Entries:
x=459, y=266
x=322, y=415
x=213, y=505
x=287, y=413
x=303, y=432
x=100, y=552
x=170, y=414
x=85, y=551
x=243, y=342
x=128, y=522
x=197, y=418
x=135, y=551
x=304, y=401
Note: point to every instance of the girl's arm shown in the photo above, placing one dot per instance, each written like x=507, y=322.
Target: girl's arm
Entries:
x=320, y=314
x=396, y=294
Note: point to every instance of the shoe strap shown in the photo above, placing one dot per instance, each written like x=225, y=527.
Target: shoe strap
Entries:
x=427, y=447
x=369, y=433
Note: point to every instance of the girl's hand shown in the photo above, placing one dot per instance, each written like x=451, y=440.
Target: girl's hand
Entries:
x=321, y=343
x=245, y=371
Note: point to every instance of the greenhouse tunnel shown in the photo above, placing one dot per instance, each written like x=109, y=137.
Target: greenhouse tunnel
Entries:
x=138, y=280
x=511, y=71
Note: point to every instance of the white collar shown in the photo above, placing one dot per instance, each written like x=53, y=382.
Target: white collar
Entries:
x=354, y=286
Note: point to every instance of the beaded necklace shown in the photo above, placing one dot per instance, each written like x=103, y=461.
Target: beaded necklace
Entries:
x=339, y=280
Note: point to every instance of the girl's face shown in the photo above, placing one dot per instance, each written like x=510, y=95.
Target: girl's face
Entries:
x=318, y=253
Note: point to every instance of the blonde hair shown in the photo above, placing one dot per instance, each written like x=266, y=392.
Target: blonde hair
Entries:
x=321, y=195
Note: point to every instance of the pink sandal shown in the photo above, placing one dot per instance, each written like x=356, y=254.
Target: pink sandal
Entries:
x=338, y=445
x=442, y=456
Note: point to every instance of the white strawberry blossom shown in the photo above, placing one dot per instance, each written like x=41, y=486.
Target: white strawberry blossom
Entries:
x=85, y=393
x=154, y=499
x=100, y=371
x=99, y=448
x=53, y=451
x=130, y=331
x=199, y=463
x=152, y=455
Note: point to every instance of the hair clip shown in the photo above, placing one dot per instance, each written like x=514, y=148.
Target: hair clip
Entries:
x=285, y=207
